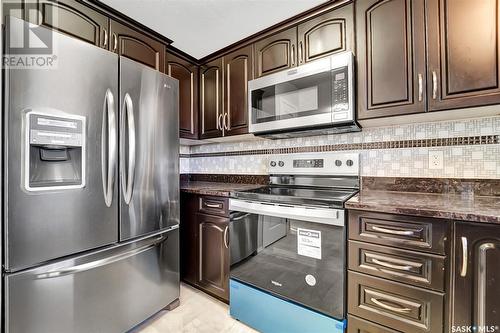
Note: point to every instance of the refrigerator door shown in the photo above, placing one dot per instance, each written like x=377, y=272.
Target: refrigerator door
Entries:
x=149, y=150
x=110, y=291
x=61, y=199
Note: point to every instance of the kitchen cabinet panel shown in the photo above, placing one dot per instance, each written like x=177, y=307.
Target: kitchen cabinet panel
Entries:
x=134, y=45
x=214, y=254
x=391, y=57
x=238, y=71
x=276, y=52
x=477, y=275
x=211, y=99
x=464, y=53
x=187, y=74
x=71, y=18
x=327, y=34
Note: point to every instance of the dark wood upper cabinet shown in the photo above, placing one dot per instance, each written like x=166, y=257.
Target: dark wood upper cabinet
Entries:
x=327, y=34
x=214, y=254
x=238, y=71
x=390, y=57
x=134, y=45
x=464, y=53
x=187, y=74
x=71, y=18
x=276, y=52
x=211, y=99
x=477, y=275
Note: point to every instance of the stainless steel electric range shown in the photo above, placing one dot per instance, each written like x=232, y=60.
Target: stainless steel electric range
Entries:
x=288, y=244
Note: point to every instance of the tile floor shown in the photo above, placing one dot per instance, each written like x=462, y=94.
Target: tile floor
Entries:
x=198, y=313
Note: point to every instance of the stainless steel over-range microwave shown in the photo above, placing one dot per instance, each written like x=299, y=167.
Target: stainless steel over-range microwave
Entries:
x=312, y=98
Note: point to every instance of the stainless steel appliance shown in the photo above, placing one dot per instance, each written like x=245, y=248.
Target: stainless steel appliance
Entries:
x=316, y=96
x=91, y=193
x=289, y=238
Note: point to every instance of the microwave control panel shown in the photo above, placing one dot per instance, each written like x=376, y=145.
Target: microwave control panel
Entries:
x=340, y=86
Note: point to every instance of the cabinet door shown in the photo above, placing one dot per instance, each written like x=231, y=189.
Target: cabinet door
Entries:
x=276, y=52
x=238, y=71
x=477, y=275
x=187, y=74
x=464, y=53
x=134, y=45
x=72, y=18
x=391, y=57
x=211, y=99
x=189, y=237
x=214, y=255
x=327, y=34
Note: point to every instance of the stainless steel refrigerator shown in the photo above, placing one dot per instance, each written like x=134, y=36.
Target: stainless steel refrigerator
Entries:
x=90, y=193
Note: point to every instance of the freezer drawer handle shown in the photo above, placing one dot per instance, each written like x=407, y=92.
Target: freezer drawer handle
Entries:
x=108, y=147
x=101, y=262
x=128, y=128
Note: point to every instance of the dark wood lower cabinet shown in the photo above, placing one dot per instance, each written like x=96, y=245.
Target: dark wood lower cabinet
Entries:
x=213, y=258
x=476, y=300
x=205, y=244
x=358, y=325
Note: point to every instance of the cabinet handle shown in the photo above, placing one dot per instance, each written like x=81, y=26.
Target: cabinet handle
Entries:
x=388, y=307
x=388, y=265
x=226, y=122
x=394, y=232
x=226, y=240
x=293, y=55
x=115, y=42
x=463, y=270
x=434, y=85
x=420, y=87
x=105, y=43
x=301, y=60
x=213, y=205
x=219, y=123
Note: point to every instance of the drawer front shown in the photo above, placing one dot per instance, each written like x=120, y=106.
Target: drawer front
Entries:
x=401, y=307
x=414, y=233
x=419, y=269
x=214, y=205
x=358, y=325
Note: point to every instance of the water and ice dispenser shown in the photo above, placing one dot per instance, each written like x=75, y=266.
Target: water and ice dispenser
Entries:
x=55, y=151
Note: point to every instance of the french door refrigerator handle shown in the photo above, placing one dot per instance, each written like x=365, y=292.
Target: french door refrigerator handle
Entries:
x=108, y=147
x=101, y=262
x=128, y=127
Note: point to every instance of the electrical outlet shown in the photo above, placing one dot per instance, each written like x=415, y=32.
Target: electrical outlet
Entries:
x=436, y=159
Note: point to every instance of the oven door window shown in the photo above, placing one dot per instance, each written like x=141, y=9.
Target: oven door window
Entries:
x=298, y=260
x=307, y=96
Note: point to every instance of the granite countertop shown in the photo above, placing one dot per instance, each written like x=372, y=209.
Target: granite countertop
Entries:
x=445, y=206
x=215, y=188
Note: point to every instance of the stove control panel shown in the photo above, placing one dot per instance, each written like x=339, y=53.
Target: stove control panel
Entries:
x=325, y=163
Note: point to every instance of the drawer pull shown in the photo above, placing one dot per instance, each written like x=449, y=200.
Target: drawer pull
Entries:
x=213, y=205
x=388, y=307
x=388, y=265
x=394, y=232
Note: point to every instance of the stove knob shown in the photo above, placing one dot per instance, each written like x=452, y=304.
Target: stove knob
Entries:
x=273, y=163
x=349, y=163
x=281, y=163
x=338, y=163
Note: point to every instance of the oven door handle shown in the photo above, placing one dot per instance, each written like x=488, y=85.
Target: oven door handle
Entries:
x=309, y=214
x=237, y=216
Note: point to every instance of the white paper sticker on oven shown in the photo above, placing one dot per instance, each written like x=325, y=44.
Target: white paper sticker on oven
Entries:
x=309, y=243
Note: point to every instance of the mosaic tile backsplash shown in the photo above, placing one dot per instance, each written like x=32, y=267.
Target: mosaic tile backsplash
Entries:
x=471, y=149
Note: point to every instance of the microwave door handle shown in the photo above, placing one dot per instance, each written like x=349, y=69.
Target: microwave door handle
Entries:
x=108, y=147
